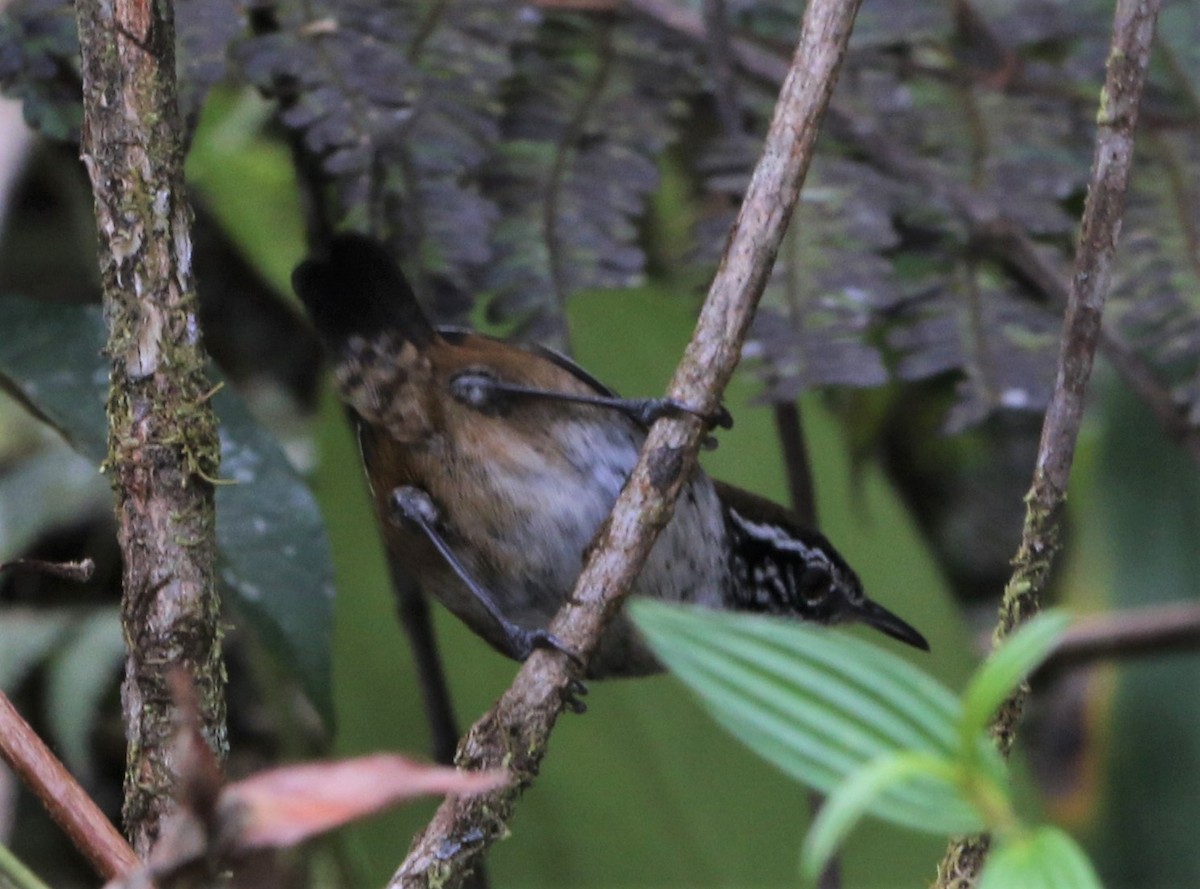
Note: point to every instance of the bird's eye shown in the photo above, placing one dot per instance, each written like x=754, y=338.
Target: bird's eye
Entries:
x=475, y=388
x=815, y=583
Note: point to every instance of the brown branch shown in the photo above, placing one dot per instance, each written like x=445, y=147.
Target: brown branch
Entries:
x=68, y=804
x=1128, y=59
x=80, y=571
x=163, y=448
x=1134, y=632
x=515, y=731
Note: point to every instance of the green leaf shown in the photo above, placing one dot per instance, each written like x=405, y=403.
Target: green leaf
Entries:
x=26, y=638
x=849, y=802
x=14, y=874
x=1004, y=670
x=818, y=704
x=50, y=356
x=80, y=674
x=274, y=554
x=45, y=490
x=1046, y=857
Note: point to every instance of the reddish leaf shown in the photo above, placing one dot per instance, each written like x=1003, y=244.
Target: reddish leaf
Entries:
x=284, y=806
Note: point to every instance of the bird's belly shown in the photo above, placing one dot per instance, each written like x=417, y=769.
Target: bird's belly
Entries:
x=546, y=512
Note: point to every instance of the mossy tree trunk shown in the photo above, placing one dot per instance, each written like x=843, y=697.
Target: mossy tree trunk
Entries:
x=163, y=446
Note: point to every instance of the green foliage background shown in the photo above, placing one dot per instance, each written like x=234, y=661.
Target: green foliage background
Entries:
x=645, y=789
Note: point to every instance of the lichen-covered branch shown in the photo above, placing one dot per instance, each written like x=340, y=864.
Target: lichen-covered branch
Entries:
x=514, y=733
x=1128, y=58
x=163, y=448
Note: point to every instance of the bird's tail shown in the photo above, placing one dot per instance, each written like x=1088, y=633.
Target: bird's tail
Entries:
x=357, y=289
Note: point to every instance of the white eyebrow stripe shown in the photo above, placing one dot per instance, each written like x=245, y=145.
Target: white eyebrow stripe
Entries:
x=779, y=538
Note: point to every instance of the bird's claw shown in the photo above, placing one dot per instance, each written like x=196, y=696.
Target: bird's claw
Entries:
x=652, y=409
x=522, y=643
x=571, y=694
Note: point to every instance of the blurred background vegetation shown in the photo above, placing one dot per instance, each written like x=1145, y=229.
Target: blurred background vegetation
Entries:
x=918, y=350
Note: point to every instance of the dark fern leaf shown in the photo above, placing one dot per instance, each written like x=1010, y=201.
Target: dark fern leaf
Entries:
x=1156, y=276
x=39, y=64
x=592, y=106
x=39, y=58
x=723, y=168
x=1005, y=346
x=881, y=25
x=995, y=105
x=822, y=313
x=204, y=32
x=401, y=103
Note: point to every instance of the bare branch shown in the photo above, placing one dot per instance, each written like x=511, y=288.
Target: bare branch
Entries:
x=163, y=448
x=1131, y=632
x=515, y=731
x=68, y=804
x=1128, y=59
x=80, y=571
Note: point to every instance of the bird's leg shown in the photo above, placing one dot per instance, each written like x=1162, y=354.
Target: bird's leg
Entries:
x=412, y=606
x=415, y=507
x=481, y=390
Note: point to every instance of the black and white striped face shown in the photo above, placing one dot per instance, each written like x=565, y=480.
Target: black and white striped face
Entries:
x=784, y=569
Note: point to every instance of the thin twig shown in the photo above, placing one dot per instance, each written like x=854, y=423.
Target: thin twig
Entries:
x=515, y=731
x=68, y=804
x=80, y=571
x=1129, y=53
x=1132, y=632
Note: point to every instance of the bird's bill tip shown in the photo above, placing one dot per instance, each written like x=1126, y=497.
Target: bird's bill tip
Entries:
x=879, y=618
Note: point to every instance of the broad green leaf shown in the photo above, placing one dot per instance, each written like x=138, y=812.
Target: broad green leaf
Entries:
x=50, y=357
x=273, y=550
x=1005, y=669
x=45, y=490
x=274, y=554
x=849, y=802
x=1046, y=858
x=80, y=674
x=26, y=637
x=818, y=704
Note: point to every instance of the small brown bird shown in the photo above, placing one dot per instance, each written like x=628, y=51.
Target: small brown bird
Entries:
x=492, y=465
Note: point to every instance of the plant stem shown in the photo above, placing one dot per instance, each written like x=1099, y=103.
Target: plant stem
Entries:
x=1128, y=59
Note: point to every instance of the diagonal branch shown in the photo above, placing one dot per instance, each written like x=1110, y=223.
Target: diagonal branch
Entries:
x=516, y=730
x=68, y=803
x=1128, y=59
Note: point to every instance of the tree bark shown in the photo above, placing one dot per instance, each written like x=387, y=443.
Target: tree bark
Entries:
x=163, y=446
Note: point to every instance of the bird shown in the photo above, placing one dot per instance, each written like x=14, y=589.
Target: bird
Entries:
x=492, y=464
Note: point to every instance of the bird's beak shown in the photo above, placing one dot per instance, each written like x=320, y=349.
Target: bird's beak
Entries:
x=883, y=620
